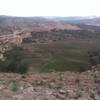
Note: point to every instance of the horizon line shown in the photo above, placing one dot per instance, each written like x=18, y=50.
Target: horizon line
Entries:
x=53, y=16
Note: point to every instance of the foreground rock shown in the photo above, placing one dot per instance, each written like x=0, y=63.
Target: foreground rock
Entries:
x=50, y=86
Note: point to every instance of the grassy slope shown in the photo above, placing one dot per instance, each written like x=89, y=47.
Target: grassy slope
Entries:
x=60, y=56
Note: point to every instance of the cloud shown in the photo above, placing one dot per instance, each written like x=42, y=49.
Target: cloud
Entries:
x=49, y=7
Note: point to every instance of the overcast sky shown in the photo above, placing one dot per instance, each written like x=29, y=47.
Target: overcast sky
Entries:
x=50, y=7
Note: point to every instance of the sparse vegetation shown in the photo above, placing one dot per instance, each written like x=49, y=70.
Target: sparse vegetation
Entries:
x=14, y=87
x=56, y=56
x=14, y=61
x=94, y=57
x=60, y=56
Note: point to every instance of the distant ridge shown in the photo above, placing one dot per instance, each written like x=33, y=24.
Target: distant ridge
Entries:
x=9, y=24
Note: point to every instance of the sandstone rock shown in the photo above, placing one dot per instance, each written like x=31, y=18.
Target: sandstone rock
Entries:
x=62, y=91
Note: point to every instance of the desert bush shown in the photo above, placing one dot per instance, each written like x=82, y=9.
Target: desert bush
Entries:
x=14, y=87
x=14, y=61
x=94, y=57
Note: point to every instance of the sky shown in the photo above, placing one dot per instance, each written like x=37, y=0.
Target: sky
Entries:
x=50, y=7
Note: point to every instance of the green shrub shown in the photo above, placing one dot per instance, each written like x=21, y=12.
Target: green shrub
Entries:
x=14, y=61
x=94, y=57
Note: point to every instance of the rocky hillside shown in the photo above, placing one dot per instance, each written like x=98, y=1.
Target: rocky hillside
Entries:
x=52, y=59
x=10, y=24
x=51, y=86
x=87, y=20
x=39, y=29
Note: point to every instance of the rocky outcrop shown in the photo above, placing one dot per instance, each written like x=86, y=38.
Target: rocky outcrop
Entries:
x=50, y=86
